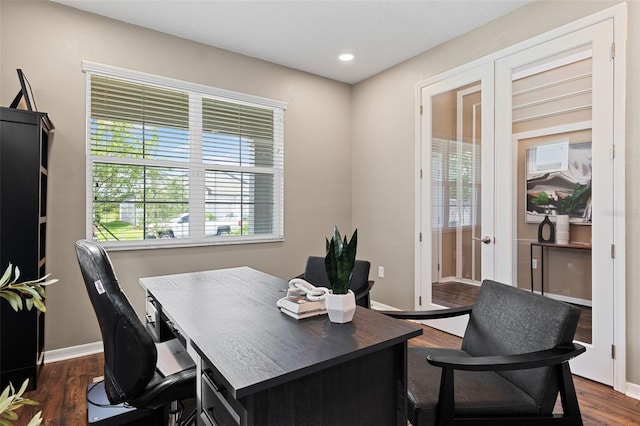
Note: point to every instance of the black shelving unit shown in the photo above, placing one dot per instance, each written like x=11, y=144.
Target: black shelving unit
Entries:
x=25, y=137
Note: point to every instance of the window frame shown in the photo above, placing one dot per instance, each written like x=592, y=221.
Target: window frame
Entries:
x=197, y=205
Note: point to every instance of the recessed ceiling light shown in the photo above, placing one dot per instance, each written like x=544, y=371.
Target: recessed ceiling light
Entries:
x=346, y=57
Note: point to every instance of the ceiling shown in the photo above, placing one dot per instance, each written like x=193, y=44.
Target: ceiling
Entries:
x=309, y=35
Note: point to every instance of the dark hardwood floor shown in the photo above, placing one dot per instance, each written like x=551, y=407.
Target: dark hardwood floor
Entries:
x=61, y=391
x=62, y=385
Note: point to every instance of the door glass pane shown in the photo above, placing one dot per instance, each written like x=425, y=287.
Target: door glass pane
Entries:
x=455, y=195
x=552, y=130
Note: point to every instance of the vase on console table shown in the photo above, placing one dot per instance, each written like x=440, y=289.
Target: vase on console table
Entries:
x=546, y=231
x=562, y=229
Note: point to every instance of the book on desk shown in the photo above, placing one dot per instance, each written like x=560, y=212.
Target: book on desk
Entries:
x=300, y=307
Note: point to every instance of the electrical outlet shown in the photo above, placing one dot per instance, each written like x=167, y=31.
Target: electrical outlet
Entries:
x=381, y=271
x=534, y=263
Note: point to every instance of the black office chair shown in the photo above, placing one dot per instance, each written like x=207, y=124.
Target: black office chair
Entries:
x=131, y=358
x=316, y=274
x=513, y=362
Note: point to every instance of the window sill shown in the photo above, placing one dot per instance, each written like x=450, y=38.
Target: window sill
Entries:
x=186, y=242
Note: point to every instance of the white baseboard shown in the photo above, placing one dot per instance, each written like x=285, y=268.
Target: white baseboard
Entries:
x=632, y=390
x=62, y=354
x=377, y=306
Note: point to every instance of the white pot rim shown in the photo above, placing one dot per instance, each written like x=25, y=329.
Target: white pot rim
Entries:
x=346, y=294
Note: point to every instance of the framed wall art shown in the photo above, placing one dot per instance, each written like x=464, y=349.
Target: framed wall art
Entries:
x=558, y=181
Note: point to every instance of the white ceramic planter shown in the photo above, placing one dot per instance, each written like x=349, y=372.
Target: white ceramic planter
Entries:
x=340, y=307
x=562, y=229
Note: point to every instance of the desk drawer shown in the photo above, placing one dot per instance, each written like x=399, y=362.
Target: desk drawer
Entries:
x=156, y=321
x=215, y=406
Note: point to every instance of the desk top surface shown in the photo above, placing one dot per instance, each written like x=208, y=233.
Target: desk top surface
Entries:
x=231, y=318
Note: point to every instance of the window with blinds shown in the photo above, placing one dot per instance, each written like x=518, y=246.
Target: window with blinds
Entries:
x=455, y=168
x=174, y=163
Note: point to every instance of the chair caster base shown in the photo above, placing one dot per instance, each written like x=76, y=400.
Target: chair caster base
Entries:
x=101, y=413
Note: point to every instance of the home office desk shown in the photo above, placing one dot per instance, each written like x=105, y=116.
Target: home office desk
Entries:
x=257, y=366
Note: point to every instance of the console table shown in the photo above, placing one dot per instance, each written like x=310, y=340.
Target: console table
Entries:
x=572, y=246
x=257, y=366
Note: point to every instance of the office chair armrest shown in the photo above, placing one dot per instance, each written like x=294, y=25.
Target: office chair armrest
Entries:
x=363, y=291
x=428, y=315
x=508, y=362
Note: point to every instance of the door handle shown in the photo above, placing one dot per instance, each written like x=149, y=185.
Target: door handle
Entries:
x=484, y=240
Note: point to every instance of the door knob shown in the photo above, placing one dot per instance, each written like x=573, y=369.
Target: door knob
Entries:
x=484, y=240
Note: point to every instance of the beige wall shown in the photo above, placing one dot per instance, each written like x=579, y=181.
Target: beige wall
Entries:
x=49, y=41
x=368, y=129
x=383, y=110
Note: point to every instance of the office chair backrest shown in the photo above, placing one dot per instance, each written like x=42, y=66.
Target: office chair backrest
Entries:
x=506, y=320
x=130, y=354
x=316, y=274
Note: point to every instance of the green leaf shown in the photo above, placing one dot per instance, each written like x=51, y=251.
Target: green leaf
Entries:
x=16, y=275
x=6, y=276
x=41, y=292
x=27, y=289
x=49, y=282
x=39, y=305
x=36, y=420
x=14, y=300
x=5, y=394
x=5, y=402
x=10, y=415
x=23, y=388
x=32, y=291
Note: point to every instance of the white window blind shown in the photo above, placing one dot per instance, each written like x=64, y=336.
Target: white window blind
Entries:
x=170, y=163
x=455, y=168
x=552, y=92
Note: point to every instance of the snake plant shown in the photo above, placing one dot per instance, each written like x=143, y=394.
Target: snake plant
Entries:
x=340, y=260
x=32, y=292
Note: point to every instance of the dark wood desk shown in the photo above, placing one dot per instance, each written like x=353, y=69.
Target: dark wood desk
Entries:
x=260, y=367
x=575, y=246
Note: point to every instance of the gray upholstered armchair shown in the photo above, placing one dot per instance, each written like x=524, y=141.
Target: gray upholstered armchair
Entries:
x=513, y=363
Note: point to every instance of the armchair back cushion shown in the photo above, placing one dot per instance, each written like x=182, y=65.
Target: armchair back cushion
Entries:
x=507, y=322
x=316, y=274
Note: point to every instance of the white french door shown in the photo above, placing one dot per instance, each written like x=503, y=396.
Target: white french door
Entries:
x=478, y=208
x=560, y=94
x=457, y=185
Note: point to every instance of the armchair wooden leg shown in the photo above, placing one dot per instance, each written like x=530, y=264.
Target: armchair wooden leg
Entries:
x=568, y=394
x=446, y=402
